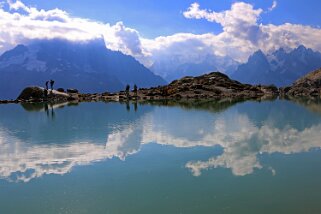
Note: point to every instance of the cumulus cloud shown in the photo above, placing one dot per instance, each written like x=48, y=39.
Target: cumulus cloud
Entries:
x=22, y=23
x=242, y=33
x=120, y=37
x=239, y=22
x=241, y=25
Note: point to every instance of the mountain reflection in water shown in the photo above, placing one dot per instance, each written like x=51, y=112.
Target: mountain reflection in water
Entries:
x=34, y=144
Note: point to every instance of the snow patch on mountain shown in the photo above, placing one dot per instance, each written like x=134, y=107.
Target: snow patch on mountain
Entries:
x=27, y=59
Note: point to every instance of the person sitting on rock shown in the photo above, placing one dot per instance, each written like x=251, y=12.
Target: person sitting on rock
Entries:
x=52, y=84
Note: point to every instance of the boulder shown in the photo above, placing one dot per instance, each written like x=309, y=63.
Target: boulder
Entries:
x=38, y=94
x=32, y=93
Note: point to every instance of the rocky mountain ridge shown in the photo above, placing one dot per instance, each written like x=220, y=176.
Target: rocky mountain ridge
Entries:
x=88, y=66
x=280, y=68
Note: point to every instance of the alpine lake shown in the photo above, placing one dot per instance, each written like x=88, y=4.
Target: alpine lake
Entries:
x=204, y=157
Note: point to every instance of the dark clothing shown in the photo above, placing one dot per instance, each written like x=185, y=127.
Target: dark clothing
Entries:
x=127, y=91
x=52, y=84
x=127, y=88
x=135, y=90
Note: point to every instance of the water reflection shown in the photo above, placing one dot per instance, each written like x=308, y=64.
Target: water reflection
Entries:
x=23, y=162
x=32, y=147
x=242, y=141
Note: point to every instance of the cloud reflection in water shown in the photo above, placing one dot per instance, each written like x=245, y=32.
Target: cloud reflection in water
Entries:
x=236, y=132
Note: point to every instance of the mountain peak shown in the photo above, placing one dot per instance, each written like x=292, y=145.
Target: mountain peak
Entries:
x=259, y=52
x=279, y=52
x=301, y=48
x=18, y=50
x=257, y=56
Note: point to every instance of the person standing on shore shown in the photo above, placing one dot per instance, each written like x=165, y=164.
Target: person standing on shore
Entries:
x=127, y=91
x=52, y=84
x=135, y=90
x=47, y=82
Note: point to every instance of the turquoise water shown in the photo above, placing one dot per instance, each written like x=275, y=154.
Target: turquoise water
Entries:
x=247, y=157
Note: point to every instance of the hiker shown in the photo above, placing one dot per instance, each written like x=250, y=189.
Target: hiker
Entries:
x=135, y=90
x=47, y=82
x=52, y=84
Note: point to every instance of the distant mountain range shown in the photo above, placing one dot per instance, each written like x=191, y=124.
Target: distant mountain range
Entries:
x=172, y=68
x=89, y=67
x=280, y=68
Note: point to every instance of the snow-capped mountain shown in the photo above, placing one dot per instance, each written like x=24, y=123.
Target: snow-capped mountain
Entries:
x=171, y=68
x=88, y=66
x=280, y=67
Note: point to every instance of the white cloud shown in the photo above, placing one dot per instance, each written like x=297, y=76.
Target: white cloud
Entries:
x=274, y=5
x=239, y=22
x=16, y=5
x=242, y=33
x=241, y=26
x=31, y=23
x=120, y=37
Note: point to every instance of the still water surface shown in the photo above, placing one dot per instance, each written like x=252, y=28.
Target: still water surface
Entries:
x=225, y=157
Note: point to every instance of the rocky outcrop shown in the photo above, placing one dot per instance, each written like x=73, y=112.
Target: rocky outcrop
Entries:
x=206, y=87
x=213, y=85
x=39, y=94
x=309, y=85
x=209, y=86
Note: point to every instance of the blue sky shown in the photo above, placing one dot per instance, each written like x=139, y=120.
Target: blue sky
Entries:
x=162, y=18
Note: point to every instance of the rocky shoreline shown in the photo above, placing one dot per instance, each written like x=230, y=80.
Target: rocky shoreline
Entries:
x=212, y=86
x=209, y=86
